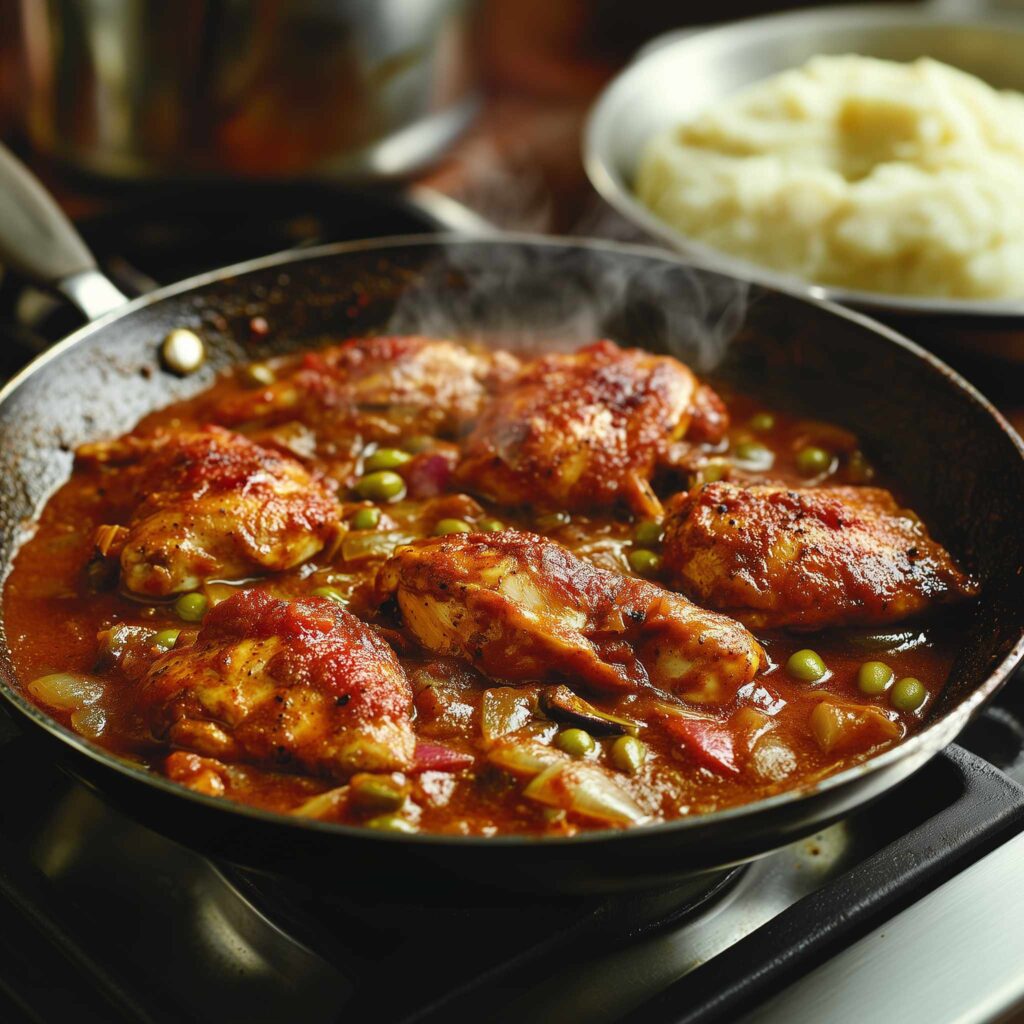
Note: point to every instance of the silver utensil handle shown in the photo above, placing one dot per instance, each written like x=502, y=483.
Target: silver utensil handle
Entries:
x=38, y=241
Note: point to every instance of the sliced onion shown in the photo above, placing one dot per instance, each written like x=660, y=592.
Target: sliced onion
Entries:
x=505, y=709
x=89, y=722
x=586, y=790
x=361, y=545
x=852, y=728
x=526, y=759
x=327, y=805
x=66, y=690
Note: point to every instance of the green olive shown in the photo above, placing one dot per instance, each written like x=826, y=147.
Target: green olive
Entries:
x=628, y=754
x=648, y=533
x=754, y=454
x=813, y=461
x=381, y=486
x=445, y=526
x=577, y=742
x=365, y=519
x=166, y=638
x=762, y=422
x=874, y=677
x=551, y=520
x=191, y=607
x=491, y=526
x=644, y=562
x=806, y=666
x=391, y=823
x=331, y=593
x=385, y=458
x=907, y=694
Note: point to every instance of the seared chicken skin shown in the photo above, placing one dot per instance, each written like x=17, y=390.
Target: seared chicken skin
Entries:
x=378, y=389
x=303, y=684
x=586, y=430
x=518, y=606
x=211, y=505
x=830, y=556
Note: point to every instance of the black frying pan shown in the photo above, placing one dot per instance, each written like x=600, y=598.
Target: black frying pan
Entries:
x=961, y=467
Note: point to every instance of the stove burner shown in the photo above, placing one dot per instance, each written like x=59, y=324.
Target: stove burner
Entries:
x=508, y=944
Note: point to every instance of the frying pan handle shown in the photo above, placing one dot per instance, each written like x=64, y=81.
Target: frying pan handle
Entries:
x=38, y=241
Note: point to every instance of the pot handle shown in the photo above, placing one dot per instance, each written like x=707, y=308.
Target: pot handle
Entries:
x=39, y=242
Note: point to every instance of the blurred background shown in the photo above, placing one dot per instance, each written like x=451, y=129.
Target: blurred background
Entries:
x=483, y=100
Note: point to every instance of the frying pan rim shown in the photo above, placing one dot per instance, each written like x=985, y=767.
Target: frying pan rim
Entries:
x=943, y=728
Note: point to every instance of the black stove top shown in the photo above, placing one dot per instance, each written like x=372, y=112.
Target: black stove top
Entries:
x=102, y=920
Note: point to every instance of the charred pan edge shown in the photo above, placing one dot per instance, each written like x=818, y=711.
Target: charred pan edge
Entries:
x=914, y=751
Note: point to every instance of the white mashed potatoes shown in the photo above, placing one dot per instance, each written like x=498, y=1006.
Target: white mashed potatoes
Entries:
x=862, y=173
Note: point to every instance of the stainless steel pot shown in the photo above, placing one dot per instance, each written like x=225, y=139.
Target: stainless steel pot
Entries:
x=346, y=89
x=680, y=74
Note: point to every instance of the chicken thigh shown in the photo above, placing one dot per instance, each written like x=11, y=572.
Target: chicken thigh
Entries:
x=210, y=505
x=518, y=606
x=379, y=389
x=301, y=684
x=830, y=556
x=586, y=430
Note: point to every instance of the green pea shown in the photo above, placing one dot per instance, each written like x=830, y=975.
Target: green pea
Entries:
x=385, y=458
x=391, y=823
x=577, y=742
x=381, y=486
x=762, y=422
x=446, y=526
x=858, y=469
x=907, y=694
x=419, y=443
x=377, y=792
x=191, y=607
x=628, y=754
x=552, y=520
x=806, y=666
x=491, y=526
x=874, y=677
x=331, y=593
x=813, y=461
x=259, y=375
x=365, y=519
x=648, y=533
x=644, y=562
x=166, y=638
x=754, y=454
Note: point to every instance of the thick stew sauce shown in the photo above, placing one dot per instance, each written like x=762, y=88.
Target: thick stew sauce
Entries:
x=419, y=585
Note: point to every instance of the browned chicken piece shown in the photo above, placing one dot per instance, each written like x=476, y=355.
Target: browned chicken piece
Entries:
x=518, y=606
x=302, y=684
x=380, y=389
x=587, y=430
x=830, y=556
x=210, y=505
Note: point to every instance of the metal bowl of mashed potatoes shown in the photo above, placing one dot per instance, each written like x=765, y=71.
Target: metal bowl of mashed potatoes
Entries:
x=683, y=75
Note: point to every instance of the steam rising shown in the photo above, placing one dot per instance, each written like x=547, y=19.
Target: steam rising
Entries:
x=536, y=298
